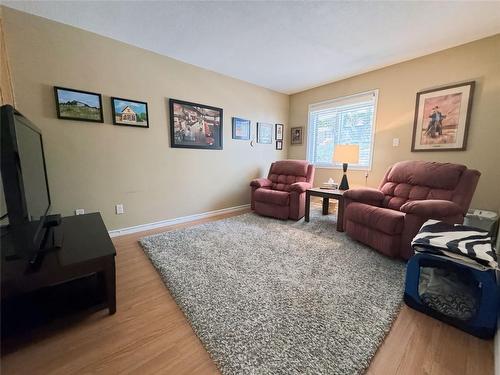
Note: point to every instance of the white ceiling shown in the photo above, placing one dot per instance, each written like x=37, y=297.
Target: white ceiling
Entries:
x=284, y=46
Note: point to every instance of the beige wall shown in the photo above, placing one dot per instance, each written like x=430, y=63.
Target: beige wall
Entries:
x=6, y=94
x=95, y=166
x=398, y=85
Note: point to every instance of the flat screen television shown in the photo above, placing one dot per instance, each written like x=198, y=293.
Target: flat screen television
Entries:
x=24, y=178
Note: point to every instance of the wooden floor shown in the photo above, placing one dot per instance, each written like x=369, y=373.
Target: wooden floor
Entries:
x=149, y=335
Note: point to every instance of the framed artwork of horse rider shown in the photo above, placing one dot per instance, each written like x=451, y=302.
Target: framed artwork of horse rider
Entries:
x=442, y=118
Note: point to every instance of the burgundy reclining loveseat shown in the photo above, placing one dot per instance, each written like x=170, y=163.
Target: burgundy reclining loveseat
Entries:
x=411, y=192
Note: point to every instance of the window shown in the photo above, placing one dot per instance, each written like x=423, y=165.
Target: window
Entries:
x=346, y=120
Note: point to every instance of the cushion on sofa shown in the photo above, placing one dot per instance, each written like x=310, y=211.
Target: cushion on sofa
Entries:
x=284, y=173
x=290, y=167
x=382, y=219
x=444, y=175
x=410, y=180
x=280, y=198
x=283, y=182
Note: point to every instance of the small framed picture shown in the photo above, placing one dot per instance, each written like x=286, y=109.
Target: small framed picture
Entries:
x=279, y=132
x=297, y=136
x=264, y=133
x=279, y=145
x=129, y=112
x=442, y=118
x=241, y=128
x=78, y=105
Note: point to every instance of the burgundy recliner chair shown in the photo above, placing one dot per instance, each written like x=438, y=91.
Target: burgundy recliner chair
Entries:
x=411, y=192
x=282, y=194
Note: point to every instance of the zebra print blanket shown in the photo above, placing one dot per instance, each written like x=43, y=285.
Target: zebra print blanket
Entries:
x=445, y=239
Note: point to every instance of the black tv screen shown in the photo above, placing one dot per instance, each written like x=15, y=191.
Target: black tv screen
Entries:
x=30, y=149
x=24, y=175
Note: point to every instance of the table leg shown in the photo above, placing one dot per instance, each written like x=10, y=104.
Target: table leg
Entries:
x=110, y=285
x=308, y=206
x=340, y=215
x=326, y=205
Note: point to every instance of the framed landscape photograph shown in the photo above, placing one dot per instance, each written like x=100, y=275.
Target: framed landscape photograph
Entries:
x=241, y=128
x=296, y=136
x=129, y=112
x=279, y=132
x=279, y=145
x=194, y=125
x=78, y=105
x=442, y=118
x=264, y=133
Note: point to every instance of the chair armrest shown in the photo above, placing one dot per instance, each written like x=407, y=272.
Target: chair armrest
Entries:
x=364, y=195
x=300, y=187
x=261, y=182
x=432, y=208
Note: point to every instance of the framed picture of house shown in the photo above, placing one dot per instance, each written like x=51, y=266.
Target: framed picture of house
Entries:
x=278, y=132
x=78, y=105
x=130, y=112
x=279, y=145
x=194, y=125
x=297, y=136
x=264, y=133
x=241, y=128
x=442, y=118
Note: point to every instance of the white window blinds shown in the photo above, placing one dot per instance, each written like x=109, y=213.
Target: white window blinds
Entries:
x=346, y=120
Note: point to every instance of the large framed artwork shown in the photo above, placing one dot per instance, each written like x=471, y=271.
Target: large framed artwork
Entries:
x=78, y=105
x=442, y=118
x=264, y=133
x=129, y=112
x=241, y=128
x=194, y=125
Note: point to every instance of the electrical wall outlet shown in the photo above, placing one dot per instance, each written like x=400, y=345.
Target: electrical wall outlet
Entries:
x=395, y=142
x=79, y=211
x=119, y=209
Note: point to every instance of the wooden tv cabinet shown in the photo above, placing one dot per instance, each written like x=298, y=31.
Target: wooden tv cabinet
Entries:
x=87, y=251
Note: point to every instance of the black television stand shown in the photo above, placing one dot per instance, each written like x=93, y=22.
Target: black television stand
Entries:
x=86, y=253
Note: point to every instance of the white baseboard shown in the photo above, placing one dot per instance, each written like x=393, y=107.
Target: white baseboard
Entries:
x=178, y=220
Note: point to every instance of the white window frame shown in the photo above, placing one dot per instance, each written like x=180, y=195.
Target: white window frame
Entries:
x=310, y=138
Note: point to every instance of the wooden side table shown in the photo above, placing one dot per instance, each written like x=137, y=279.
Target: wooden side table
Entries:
x=327, y=195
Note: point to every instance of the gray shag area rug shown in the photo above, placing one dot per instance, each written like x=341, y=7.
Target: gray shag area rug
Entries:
x=280, y=297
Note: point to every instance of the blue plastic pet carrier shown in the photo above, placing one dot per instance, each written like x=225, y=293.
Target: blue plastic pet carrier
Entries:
x=458, y=289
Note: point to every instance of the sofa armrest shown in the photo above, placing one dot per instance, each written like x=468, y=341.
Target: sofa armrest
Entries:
x=431, y=208
x=364, y=195
x=300, y=187
x=261, y=182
